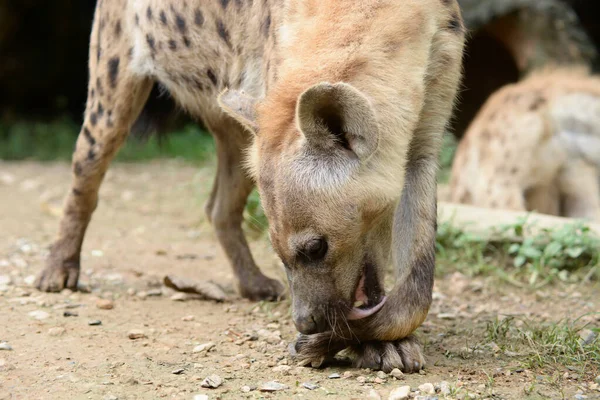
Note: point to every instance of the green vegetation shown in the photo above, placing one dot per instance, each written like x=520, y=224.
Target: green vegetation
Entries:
x=515, y=254
x=56, y=140
x=568, y=343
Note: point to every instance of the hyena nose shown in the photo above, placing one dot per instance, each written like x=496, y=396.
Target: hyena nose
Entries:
x=309, y=323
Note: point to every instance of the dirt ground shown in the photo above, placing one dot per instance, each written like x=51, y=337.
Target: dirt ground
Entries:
x=150, y=222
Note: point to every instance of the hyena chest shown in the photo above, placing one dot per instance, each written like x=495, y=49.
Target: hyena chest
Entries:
x=196, y=48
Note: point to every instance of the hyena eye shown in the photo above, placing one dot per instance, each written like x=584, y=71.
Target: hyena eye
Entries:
x=314, y=250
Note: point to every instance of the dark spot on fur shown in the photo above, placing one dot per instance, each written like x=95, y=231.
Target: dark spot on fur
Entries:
x=93, y=119
x=100, y=110
x=514, y=170
x=137, y=19
x=109, y=113
x=239, y=4
x=199, y=85
x=91, y=155
x=130, y=53
x=92, y=93
x=151, y=43
x=163, y=17
x=224, y=4
x=118, y=28
x=113, y=71
x=223, y=32
x=212, y=76
x=172, y=44
x=88, y=136
x=77, y=168
x=180, y=22
x=198, y=17
x=77, y=192
x=455, y=24
x=266, y=25
x=149, y=13
x=186, y=41
x=537, y=103
x=99, y=87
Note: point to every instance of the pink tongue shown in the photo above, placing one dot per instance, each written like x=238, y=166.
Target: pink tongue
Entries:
x=360, y=295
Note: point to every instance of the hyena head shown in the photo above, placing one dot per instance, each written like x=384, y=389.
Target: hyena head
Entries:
x=315, y=171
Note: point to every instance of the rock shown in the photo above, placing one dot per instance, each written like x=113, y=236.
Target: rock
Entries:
x=273, y=386
x=396, y=373
x=5, y=346
x=39, y=315
x=310, y=385
x=381, y=375
x=444, y=388
x=5, y=280
x=70, y=314
x=203, y=347
x=448, y=316
x=142, y=295
x=178, y=371
x=246, y=389
x=188, y=318
x=400, y=393
x=95, y=322
x=110, y=397
x=587, y=336
x=427, y=388
x=212, y=381
x=284, y=369
x=361, y=379
x=56, y=331
x=29, y=280
x=136, y=334
x=347, y=374
x=373, y=395
x=179, y=297
x=200, y=397
x=334, y=376
x=378, y=380
x=105, y=304
x=155, y=292
x=131, y=291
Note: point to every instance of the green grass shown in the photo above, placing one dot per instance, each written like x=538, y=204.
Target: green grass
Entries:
x=552, y=346
x=520, y=257
x=50, y=141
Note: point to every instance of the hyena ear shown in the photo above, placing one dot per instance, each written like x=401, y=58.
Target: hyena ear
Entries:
x=241, y=107
x=338, y=115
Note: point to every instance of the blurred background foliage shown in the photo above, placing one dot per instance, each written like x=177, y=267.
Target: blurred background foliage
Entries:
x=43, y=71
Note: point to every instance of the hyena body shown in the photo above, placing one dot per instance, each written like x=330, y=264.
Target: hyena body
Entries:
x=535, y=146
x=342, y=105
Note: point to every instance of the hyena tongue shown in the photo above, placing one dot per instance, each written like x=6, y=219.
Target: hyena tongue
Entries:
x=362, y=301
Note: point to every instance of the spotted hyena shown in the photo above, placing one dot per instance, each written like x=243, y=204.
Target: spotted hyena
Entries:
x=340, y=106
x=535, y=145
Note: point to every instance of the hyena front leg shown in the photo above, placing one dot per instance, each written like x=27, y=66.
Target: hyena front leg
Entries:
x=115, y=99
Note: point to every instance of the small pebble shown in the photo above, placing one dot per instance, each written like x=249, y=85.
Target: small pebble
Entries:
x=105, y=304
x=203, y=347
x=110, y=397
x=5, y=280
x=95, y=322
x=246, y=389
x=154, y=292
x=142, y=295
x=131, y=291
x=379, y=380
x=178, y=371
x=200, y=397
x=56, y=331
x=444, y=388
x=310, y=385
x=361, y=379
x=427, y=388
x=179, y=297
x=5, y=346
x=188, y=318
x=136, y=334
x=70, y=314
x=39, y=314
x=284, y=369
x=396, y=373
x=400, y=393
x=373, y=395
x=348, y=374
x=447, y=316
x=381, y=375
x=272, y=386
x=334, y=376
x=212, y=381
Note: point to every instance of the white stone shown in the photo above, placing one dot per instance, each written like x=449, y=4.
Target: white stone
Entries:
x=400, y=393
x=427, y=388
x=39, y=315
x=203, y=347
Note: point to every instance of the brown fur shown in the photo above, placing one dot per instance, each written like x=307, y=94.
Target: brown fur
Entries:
x=535, y=145
x=348, y=100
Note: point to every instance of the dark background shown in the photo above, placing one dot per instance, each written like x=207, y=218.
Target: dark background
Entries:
x=44, y=48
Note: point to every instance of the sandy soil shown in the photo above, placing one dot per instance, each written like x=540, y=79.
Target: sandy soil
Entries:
x=149, y=223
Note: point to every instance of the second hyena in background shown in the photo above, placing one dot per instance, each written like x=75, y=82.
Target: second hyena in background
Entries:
x=535, y=145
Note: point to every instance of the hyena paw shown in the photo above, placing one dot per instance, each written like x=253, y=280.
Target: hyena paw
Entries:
x=404, y=354
x=314, y=350
x=58, y=275
x=262, y=288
